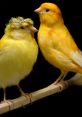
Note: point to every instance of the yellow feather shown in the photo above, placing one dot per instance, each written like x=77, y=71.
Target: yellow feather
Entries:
x=18, y=54
x=55, y=41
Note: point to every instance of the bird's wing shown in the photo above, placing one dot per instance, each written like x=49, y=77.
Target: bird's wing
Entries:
x=66, y=44
x=60, y=59
x=73, y=53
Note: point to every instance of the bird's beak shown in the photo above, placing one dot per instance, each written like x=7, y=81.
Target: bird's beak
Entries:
x=38, y=10
x=33, y=29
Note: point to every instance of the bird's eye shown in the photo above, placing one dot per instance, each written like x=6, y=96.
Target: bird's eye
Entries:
x=47, y=10
x=22, y=27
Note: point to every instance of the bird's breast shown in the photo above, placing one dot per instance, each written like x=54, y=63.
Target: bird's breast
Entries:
x=16, y=61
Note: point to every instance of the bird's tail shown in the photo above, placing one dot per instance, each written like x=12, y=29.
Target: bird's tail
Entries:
x=77, y=59
x=76, y=79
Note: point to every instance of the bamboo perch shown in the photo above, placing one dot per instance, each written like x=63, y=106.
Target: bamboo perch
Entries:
x=51, y=89
x=22, y=101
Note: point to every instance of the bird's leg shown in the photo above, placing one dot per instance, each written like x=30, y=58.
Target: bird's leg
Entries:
x=4, y=99
x=4, y=91
x=22, y=93
x=9, y=102
x=61, y=77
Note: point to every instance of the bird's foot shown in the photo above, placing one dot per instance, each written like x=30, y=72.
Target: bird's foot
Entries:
x=27, y=96
x=62, y=84
x=60, y=78
x=58, y=81
x=9, y=102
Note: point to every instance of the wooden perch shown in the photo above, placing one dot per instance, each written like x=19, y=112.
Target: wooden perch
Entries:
x=51, y=89
x=22, y=101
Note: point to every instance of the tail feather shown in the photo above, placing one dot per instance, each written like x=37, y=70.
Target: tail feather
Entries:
x=77, y=57
x=76, y=80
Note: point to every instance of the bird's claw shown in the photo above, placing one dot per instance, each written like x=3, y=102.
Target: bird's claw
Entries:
x=9, y=102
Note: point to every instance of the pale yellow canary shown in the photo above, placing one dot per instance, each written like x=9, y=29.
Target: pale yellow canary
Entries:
x=18, y=52
x=55, y=41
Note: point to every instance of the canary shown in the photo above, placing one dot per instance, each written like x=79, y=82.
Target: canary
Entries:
x=55, y=41
x=18, y=52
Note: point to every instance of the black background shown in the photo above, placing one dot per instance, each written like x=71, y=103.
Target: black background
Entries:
x=65, y=103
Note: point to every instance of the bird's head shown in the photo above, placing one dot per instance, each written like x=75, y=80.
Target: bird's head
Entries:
x=49, y=13
x=20, y=23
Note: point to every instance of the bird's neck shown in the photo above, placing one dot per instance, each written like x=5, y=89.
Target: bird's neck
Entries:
x=18, y=34
x=49, y=27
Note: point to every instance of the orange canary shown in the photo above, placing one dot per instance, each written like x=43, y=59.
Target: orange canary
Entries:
x=55, y=41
